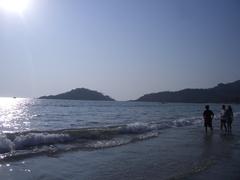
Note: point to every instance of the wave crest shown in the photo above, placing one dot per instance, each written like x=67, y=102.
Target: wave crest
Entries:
x=24, y=144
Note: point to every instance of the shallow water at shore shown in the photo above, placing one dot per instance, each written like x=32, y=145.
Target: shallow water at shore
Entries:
x=170, y=146
x=185, y=153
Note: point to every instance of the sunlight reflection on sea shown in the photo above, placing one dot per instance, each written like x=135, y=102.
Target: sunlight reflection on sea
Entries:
x=14, y=115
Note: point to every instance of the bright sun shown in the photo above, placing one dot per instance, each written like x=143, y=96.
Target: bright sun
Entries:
x=15, y=6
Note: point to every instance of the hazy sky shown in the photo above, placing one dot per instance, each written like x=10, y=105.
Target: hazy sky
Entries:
x=123, y=48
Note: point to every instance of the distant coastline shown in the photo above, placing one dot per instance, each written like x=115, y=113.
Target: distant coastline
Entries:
x=222, y=93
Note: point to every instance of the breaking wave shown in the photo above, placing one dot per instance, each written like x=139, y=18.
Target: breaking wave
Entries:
x=24, y=144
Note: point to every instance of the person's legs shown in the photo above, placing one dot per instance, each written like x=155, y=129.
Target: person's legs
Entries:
x=210, y=125
x=225, y=127
x=205, y=125
x=230, y=126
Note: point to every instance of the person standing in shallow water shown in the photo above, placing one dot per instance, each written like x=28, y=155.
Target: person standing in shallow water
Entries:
x=229, y=114
x=208, y=116
x=223, y=118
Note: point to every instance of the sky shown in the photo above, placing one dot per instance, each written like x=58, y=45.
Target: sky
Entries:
x=122, y=48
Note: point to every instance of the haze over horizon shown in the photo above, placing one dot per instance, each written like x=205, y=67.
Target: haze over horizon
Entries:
x=123, y=49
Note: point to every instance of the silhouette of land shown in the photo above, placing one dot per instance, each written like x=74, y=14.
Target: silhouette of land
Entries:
x=80, y=94
x=222, y=93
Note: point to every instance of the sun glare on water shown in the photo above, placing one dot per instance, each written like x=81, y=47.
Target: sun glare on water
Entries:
x=14, y=6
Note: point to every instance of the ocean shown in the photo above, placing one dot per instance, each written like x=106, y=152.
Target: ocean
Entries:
x=70, y=139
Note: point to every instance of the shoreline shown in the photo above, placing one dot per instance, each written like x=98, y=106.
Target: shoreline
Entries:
x=177, y=153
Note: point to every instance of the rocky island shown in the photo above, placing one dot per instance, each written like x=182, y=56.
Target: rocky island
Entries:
x=80, y=94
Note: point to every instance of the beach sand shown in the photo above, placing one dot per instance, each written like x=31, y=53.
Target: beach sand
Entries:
x=177, y=153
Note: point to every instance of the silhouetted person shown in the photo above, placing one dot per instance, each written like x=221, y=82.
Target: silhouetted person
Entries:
x=229, y=114
x=208, y=117
x=223, y=118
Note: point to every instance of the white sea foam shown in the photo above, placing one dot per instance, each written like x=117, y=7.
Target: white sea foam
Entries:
x=147, y=135
x=108, y=143
x=187, y=121
x=31, y=139
x=120, y=141
x=138, y=127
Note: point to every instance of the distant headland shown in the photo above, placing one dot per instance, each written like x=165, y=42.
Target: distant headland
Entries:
x=222, y=93
x=80, y=94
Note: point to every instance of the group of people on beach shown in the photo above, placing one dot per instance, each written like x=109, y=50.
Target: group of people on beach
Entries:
x=226, y=118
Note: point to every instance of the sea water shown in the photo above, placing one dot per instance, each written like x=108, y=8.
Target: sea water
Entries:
x=30, y=128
